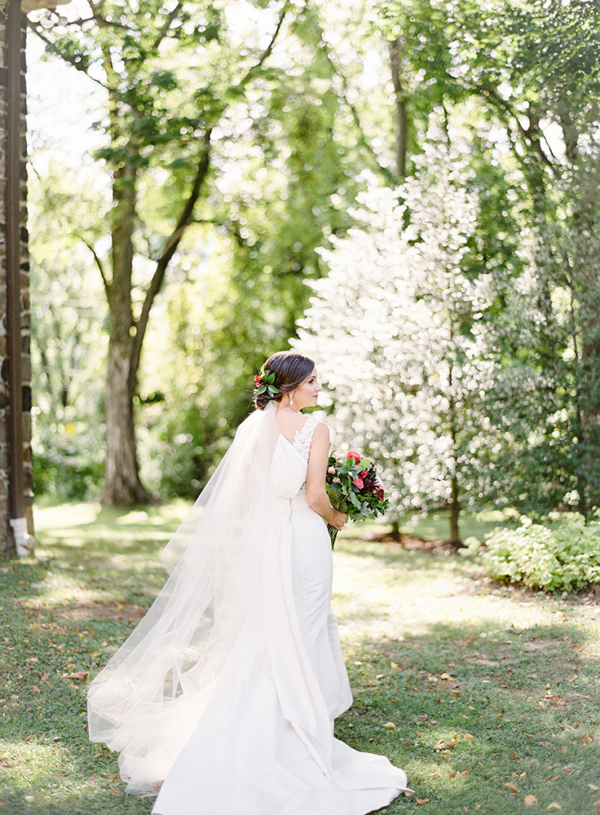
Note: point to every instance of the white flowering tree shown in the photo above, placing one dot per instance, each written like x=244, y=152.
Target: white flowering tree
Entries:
x=399, y=330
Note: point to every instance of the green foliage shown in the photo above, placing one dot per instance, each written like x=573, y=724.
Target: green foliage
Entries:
x=562, y=556
x=68, y=466
x=513, y=87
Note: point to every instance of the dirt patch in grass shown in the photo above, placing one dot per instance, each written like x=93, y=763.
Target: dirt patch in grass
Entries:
x=411, y=543
x=100, y=611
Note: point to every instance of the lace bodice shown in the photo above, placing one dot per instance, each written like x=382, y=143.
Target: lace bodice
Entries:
x=303, y=437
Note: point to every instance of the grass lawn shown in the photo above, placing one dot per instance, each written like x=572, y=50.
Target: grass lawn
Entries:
x=468, y=686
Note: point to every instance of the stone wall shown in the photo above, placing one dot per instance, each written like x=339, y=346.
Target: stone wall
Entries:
x=6, y=537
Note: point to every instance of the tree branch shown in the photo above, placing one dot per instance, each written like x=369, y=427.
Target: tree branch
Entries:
x=527, y=134
x=80, y=66
x=267, y=52
x=163, y=31
x=388, y=175
x=394, y=50
x=171, y=244
x=99, y=264
x=98, y=19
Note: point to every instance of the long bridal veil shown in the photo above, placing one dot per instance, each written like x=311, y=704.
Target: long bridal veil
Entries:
x=148, y=700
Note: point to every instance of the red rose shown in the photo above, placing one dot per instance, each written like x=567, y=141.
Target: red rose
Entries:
x=362, y=473
x=358, y=482
x=381, y=494
x=353, y=455
x=257, y=379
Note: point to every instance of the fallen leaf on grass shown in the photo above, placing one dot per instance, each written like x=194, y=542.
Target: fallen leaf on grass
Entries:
x=115, y=792
x=76, y=675
x=530, y=800
x=97, y=755
x=512, y=787
x=556, y=777
x=593, y=787
x=422, y=800
x=569, y=771
x=468, y=736
x=452, y=775
x=554, y=805
x=597, y=803
x=390, y=726
x=439, y=746
x=432, y=775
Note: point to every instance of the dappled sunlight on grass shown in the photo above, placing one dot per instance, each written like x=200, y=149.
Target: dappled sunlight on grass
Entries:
x=479, y=685
x=404, y=590
x=58, y=589
x=466, y=685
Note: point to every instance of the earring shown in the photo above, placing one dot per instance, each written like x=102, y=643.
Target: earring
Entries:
x=291, y=399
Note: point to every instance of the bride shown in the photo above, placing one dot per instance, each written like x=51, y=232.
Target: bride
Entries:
x=223, y=698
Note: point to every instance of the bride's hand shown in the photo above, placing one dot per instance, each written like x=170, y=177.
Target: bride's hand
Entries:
x=339, y=520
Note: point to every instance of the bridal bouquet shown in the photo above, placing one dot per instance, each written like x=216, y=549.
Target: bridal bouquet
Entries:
x=353, y=486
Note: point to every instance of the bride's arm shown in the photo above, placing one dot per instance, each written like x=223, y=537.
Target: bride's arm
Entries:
x=316, y=494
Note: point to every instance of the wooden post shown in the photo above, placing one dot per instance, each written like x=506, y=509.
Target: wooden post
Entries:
x=13, y=261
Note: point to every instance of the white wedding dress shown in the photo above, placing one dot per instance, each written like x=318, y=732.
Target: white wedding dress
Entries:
x=248, y=729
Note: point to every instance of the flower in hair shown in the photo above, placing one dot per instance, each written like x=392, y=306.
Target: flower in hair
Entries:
x=265, y=383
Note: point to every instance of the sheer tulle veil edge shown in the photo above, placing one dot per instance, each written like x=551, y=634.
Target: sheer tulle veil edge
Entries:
x=149, y=698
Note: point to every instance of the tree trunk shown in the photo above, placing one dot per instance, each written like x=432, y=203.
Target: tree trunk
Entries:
x=454, y=512
x=401, y=115
x=123, y=487
x=454, y=490
x=396, y=534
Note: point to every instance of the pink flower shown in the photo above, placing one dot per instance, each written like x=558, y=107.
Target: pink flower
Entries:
x=358, y=482
x=336, y=481
x=331, y=470
x=353, y=455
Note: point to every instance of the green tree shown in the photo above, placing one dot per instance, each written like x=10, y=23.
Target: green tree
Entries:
x=171, y=73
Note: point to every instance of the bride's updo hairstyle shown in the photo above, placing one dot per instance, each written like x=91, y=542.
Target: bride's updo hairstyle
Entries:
x=291, y=369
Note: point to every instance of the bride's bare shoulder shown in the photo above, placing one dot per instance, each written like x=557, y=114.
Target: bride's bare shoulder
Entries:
x=289, y=423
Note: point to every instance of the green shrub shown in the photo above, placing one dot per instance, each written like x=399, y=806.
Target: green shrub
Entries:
x=67, y=464
x=562, y=556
